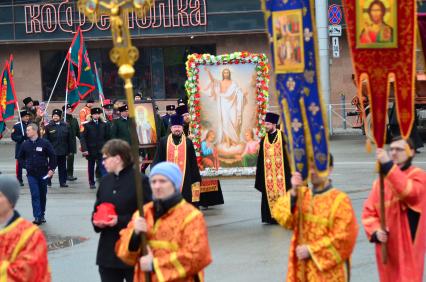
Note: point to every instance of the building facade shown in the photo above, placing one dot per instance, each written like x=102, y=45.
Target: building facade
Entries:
x=39, y=33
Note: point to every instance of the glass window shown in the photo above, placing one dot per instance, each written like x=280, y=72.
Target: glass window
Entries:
x=51, y=62
x=160, y=72
x=174, y=67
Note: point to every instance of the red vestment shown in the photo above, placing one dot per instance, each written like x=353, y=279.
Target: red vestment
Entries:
x=403, y=190
x=23, y=253
x=329, y=230
x=178, y=241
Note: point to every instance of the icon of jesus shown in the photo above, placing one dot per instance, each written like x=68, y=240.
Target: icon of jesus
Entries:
x=230, y=102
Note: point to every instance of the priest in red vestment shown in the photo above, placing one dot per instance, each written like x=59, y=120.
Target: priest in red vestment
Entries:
x=23, y=249
x=405, y=214
x=176, y=233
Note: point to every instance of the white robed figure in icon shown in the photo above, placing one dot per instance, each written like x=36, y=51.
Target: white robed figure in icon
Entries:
x=230, y=101
x=143, y=128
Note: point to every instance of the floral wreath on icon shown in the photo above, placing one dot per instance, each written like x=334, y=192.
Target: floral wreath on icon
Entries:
x=193, y=89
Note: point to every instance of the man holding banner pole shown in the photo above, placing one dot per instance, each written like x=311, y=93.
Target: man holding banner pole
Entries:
x=322, y=218
x=382, y=40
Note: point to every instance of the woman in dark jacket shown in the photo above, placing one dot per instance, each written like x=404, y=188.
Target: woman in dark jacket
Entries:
x=117, y=188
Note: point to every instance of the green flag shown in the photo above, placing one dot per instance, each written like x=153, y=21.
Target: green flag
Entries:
x=7, y=94
x=73, y=97
x=86, y=80
x=79, y=57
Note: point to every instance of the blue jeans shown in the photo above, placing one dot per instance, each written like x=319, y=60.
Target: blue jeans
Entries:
x=38, y=189
x=91, y=169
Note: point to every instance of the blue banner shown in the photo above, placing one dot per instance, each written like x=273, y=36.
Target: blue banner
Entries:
x=295, y=59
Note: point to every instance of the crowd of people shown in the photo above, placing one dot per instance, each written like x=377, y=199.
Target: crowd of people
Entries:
x=321, y=216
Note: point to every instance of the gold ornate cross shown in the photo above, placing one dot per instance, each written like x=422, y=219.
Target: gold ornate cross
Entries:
x=124, y=55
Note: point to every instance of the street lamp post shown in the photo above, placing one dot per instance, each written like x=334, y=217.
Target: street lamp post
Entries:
x=124, y=55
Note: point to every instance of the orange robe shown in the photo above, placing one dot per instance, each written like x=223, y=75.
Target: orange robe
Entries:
x=178, y=241
x=23, y=253
x=403, y=190
x=329, y=230
x=84, y=114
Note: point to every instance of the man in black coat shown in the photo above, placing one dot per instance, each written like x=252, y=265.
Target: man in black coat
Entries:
x=57, y=132
x=179, y=149
x=170, y=109
x=272, y=165
x=94, y=136
x=74, y=129
x=38, y=158
x=19, y=136
x=121, y=126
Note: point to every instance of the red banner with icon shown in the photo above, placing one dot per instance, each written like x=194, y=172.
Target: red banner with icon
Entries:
x=382, y=38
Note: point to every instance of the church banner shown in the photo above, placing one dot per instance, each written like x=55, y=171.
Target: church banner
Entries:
x=293, y=38
x=228, y=98
x=382, y=38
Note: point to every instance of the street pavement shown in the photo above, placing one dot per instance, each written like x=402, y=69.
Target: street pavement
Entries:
x=243, y=248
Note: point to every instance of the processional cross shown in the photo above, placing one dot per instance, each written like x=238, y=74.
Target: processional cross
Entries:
x=124, y=55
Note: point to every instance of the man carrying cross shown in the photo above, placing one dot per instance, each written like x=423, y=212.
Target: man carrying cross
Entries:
x=405, y=212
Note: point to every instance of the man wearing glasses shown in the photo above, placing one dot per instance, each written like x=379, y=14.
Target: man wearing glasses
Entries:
x=405, y=213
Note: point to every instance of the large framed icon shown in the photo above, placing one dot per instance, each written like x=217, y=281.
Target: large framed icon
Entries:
x=228, y=98
x=376, y=24
x=146, y=128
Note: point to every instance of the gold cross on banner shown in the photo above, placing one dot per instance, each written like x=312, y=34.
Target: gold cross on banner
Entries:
x=296, y=125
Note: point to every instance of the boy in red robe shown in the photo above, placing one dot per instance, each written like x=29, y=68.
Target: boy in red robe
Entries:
x=176, y=233
x=23, y=249
x=405, y=207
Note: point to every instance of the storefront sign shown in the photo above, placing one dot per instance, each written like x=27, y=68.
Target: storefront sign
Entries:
x=64, y=16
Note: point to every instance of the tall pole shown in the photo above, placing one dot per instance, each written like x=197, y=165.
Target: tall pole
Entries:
x=124, y=55
x=54, y=86
x=321, y=11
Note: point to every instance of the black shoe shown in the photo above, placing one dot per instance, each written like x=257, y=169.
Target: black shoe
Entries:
x=38, y=221
x=93, y=186
x=43, y=220
x=64, y=186
x=21, y=183
x=71, y=178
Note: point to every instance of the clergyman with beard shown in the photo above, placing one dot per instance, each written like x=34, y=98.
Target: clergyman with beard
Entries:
x=179, y=149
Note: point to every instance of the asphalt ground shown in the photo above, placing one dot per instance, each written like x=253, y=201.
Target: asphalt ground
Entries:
x=243, y=248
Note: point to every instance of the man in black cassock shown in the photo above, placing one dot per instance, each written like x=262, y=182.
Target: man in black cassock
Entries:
x=179, y=149
x=272, y=160
x=184, y=113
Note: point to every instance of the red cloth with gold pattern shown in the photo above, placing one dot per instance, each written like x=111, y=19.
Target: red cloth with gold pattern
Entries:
x=23, y=253
x=378, y=65
x=404, y=190
x=178, y=241
x=329, y=229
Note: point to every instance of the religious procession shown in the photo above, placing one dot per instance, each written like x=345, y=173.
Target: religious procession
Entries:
x=153, y=140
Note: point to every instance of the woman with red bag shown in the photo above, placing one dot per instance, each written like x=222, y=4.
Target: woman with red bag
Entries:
x=114, y=206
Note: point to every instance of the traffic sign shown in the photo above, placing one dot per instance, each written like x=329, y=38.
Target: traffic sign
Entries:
x=335, y=30
x=335, y=14
x=336, y=47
